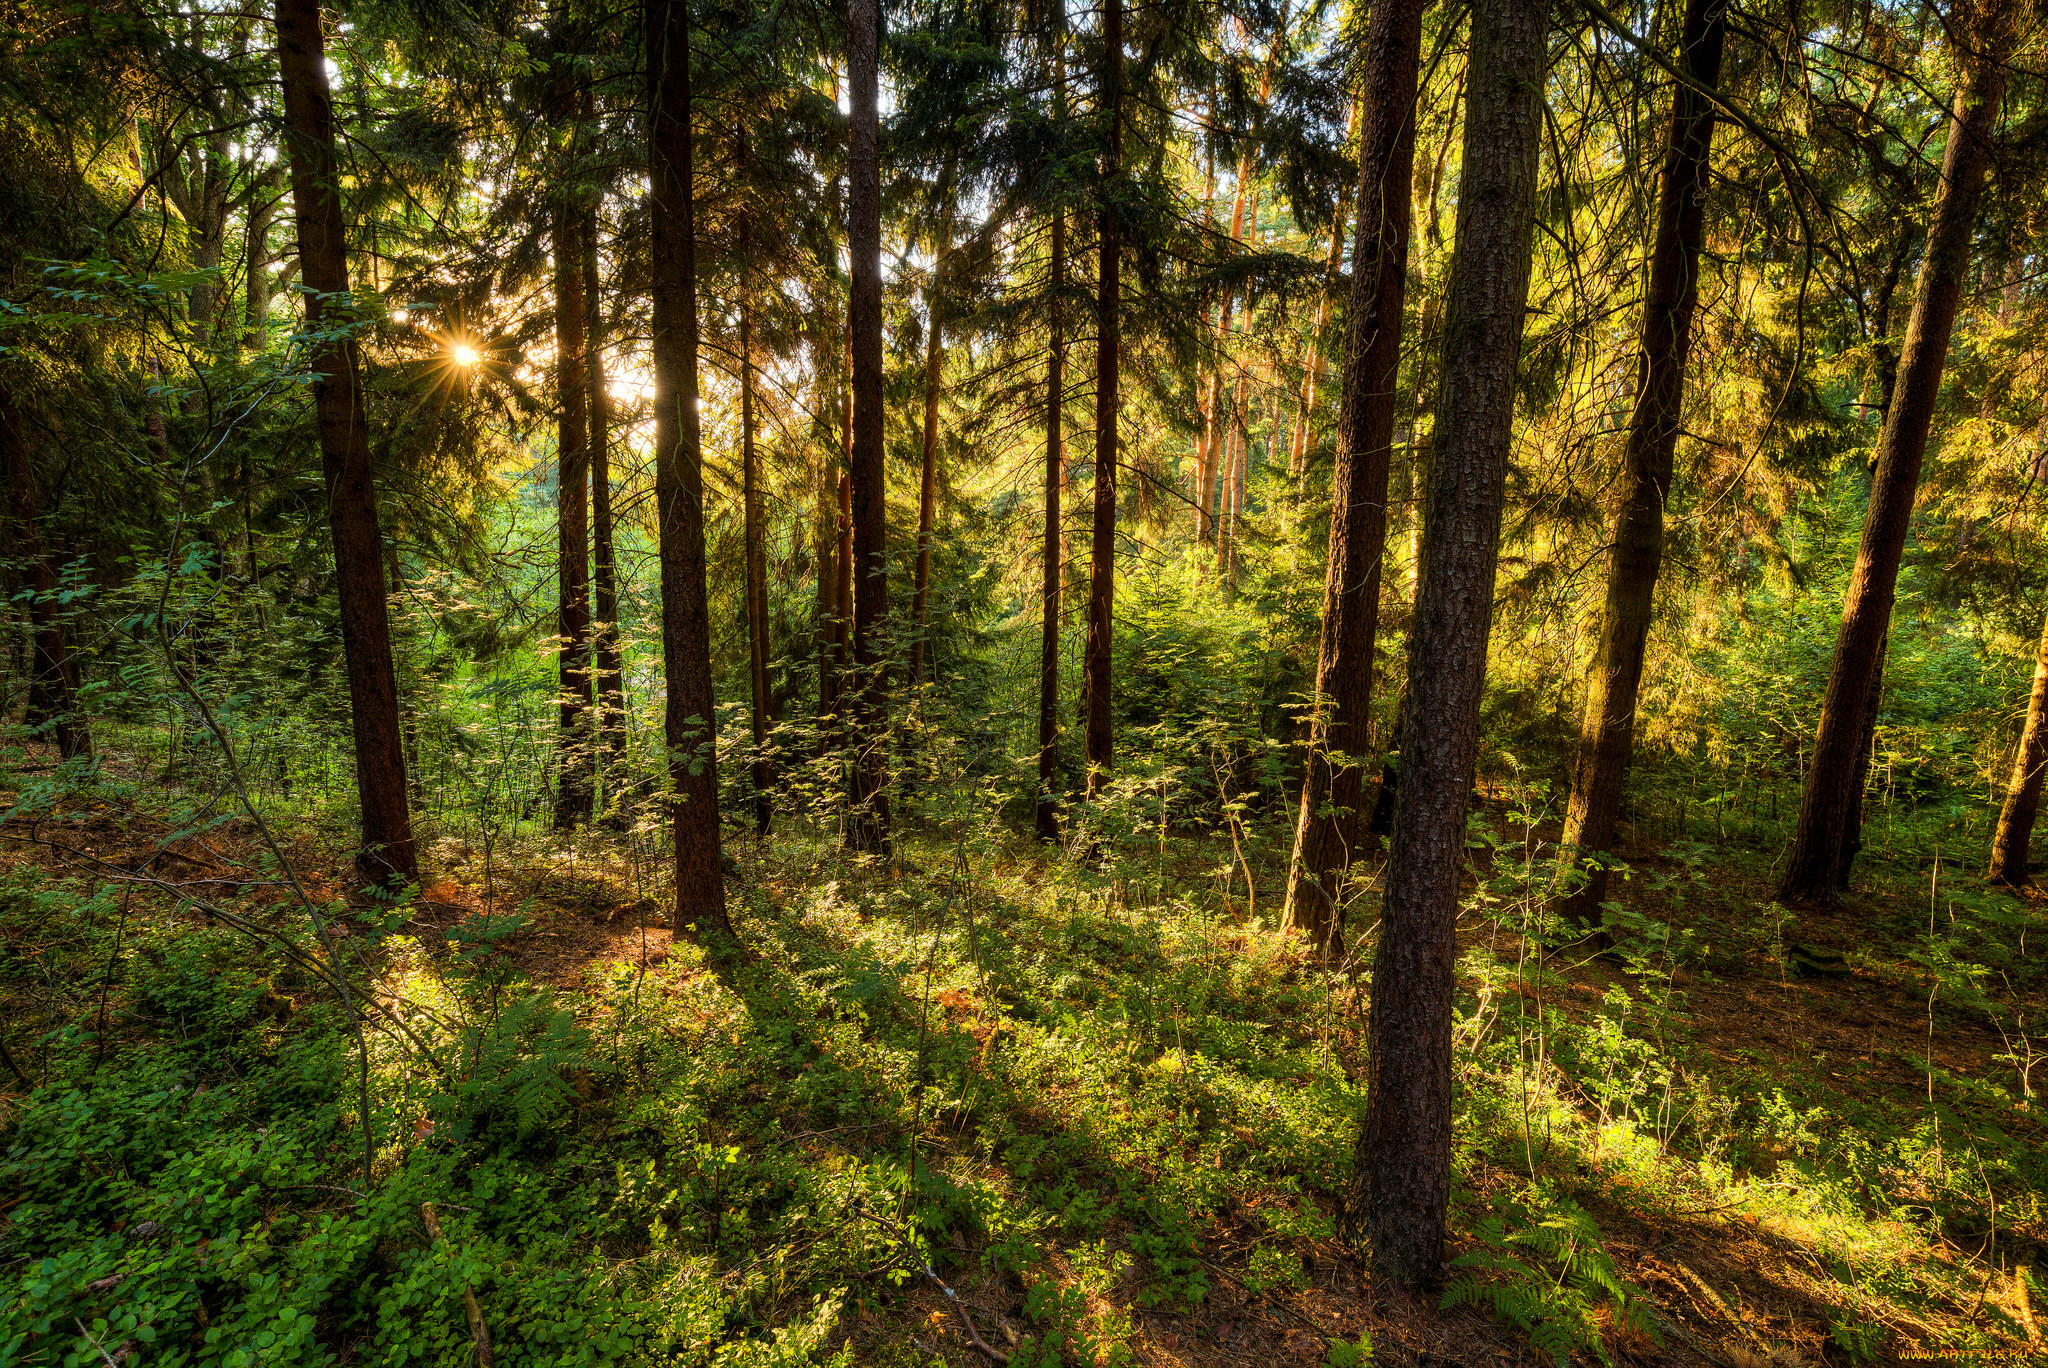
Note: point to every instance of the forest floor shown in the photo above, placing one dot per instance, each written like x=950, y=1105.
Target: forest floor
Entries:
x=1109, y=1108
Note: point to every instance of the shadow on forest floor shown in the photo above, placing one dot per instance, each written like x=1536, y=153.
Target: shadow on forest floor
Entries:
x=1120, y=1133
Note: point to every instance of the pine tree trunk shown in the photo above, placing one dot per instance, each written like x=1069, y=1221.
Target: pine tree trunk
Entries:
x=263, y=201
x=1097, y=732
x=1404, y=1146
x=2023, y=794
x=927, y=489
x=1213, y=464
x=1312, y=362
x=574, y=794
x=1326, y=824
x=1816, y=856
x=611, y=670
x=755, y=536
x=1047, y=816
x=689, y=721
x=387, y=854
x=868, y=825
x=1607, y=733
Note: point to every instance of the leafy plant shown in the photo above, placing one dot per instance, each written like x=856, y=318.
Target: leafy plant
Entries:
x=1543, y=1268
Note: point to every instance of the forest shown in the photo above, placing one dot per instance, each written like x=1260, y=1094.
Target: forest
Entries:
x=757, y=683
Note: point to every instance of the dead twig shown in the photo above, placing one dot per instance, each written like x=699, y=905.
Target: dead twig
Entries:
x=478, y=1334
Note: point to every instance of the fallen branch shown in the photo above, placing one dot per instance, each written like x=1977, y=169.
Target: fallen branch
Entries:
x=478, y=1334
x=952, y=1298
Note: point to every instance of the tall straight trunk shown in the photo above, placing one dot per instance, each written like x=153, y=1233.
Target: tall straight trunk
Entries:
x=1047, y=817
x=868, y=827
x=842, y=608
x=927, y=489
x=264, y=198
x=1097, y=733
x=1312, y=362
x=689, y=722
x=2023, y=792
x=1325, y=828
x=52, y=701
x=1816, y=857
x=1404, y=1146
x=1215, y=416
x=1607, y=733
x=825, y=551
x=387, y=854
x=755, y=536
x=574, y=793
x=610, y=666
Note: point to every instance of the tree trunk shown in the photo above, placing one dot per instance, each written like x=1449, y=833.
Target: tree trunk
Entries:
x=1102, y=543
x=387, y=854
x=1325, y=831
x=1816, y=855
x=574, y=796
x=689, y=721
x=52, y=701
x=1312, y=362
x=755, y=536
x=611, y=671
x=1404, y=1146
x=927, y=489
x=1215, y=417
x=868, y=827
x=1047, y=817
x=2023, y=793
x=263, y=201
x=1607, y=733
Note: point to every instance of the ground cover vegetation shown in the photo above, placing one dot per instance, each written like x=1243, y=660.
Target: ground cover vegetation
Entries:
x=949, y=681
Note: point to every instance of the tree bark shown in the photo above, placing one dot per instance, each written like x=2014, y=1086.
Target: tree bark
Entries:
x=387, y=854
x=934, y=376
x=1312, y=362
x=689, y=720
x=1816, y=856
x=868, y=826
x=1326, y=824
x=1097, y=731
x=611, y=670
x=1607, y=732
x=2023, y=794
x=574, y=795
x=1047, y=817
x=263, y=201
x=755, y=536
x=1404, y=1146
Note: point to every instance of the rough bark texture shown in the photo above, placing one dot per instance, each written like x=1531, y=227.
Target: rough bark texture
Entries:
x=387, y=854
x=2023, y=793
x=1097, y=732
x=1046, y=821
x=574, y=793
x=1326, y=825
x=679, y=484
x=755, y=534
x=1404, y=1146
x=867, y=828
x=1816, y=857
x=604, y=566
x=1607, y=732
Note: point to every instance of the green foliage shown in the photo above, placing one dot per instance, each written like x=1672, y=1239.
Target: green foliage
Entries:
x=1542, y=1267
